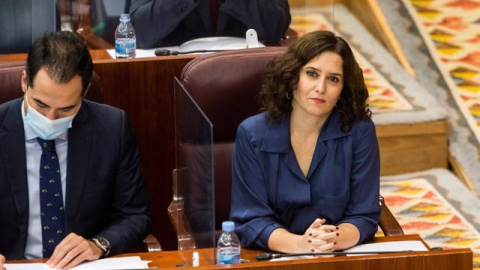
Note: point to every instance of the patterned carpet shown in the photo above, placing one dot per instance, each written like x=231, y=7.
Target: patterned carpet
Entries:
x=425, y=203
x=455, y=45
x=441, y=40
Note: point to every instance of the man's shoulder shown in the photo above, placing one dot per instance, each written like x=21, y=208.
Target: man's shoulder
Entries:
x=7, y=107
x=101, y=116
x=9, y=104
x=102, y=111
x=92, y=105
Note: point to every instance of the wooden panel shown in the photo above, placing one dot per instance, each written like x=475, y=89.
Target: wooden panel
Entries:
x=458, y=170
x=368, y=12
x=144, y=89
x=410, y=148
x=311, y=3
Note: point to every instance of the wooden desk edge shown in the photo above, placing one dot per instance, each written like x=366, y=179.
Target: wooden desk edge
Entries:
x=170, y=259
x=101, y=56
x=442, y=259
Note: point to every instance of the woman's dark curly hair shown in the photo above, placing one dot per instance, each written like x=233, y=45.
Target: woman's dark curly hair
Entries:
x=283, y=73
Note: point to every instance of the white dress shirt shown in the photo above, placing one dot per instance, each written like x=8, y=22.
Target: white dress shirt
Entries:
x=33, y=151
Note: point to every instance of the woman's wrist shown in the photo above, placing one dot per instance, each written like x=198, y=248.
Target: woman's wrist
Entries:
x=349, y=235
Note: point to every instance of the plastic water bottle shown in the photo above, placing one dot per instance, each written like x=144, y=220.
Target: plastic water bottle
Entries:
x=228, y=245
x=125, y=40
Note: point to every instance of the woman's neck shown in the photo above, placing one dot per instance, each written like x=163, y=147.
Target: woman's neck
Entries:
x=306, y=125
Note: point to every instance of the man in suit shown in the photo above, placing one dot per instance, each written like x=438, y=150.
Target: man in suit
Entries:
x=170, y=23
x=91, y=178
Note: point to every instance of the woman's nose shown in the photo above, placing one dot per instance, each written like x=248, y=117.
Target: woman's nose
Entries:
x=320, y=87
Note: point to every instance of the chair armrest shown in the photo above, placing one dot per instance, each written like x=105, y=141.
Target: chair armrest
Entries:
x=151, y=244
x=387, y=222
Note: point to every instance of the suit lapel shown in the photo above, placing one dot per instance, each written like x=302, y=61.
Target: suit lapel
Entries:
x=12, y=155
x=79, y=149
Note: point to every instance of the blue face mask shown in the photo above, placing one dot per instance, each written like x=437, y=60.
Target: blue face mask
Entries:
x=45, y=128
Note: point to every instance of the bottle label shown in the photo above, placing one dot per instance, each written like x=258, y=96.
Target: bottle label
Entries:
x=125, y=46
x=228, y=256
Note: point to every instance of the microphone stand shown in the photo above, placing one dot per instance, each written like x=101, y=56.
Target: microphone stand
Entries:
x=269, y=256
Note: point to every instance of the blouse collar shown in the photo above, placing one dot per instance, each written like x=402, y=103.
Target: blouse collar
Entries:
x=277, y=134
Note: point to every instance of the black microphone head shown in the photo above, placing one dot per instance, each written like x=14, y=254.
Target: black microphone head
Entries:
x=162, y=52
x=264, y=257
x=165, y=52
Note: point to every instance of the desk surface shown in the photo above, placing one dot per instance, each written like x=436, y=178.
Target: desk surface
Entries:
x=457, y=259
x=98, y=56
x=443, y=259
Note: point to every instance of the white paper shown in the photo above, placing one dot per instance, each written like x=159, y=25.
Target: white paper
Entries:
x=290, y=258
x=132, y=262
x=399, y=246
x=396, y=246
x=141, y=53
x=199, y=44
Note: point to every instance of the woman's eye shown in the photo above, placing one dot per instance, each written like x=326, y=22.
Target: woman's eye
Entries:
x=334, y=79
x=312, y=73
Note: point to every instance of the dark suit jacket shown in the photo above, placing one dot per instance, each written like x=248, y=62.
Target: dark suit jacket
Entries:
x=105, y=192
x=170, y=23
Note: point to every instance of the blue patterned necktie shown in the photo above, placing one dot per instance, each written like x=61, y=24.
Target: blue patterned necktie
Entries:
x=51, y=201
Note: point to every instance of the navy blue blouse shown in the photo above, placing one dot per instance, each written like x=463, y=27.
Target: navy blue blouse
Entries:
x=269, y=190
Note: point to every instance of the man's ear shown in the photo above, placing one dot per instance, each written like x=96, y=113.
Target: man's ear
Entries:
x=23, y=81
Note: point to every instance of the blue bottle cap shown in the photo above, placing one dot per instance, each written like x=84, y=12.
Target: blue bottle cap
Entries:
x=124, y=18
x=228, y=226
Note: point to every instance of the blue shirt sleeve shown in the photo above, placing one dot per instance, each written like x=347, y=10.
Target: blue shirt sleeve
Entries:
x=250, y=210
x=363, y=209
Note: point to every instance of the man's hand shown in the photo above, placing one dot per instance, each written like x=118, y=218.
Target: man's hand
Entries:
x=2, y=261
x=73, y=250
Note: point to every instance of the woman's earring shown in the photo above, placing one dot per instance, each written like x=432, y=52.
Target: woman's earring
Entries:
x=289, y=97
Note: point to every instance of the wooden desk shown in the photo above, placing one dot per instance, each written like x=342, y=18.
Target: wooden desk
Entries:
x=459, y=259
x=444, y=259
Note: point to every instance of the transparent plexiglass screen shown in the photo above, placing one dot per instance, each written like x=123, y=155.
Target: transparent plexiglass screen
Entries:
x=192, y=207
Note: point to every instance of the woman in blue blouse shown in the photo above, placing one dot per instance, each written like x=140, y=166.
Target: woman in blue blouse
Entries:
x=306, y=170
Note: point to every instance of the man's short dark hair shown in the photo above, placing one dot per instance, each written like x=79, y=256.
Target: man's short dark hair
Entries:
x=63, y=56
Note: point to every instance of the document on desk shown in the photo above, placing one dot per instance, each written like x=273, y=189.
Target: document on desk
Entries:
x=400, y=246
x=132, y=262
x=368, y=249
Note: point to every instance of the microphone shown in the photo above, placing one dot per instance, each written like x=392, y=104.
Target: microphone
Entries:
x=165, y=52
x=269, y=256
